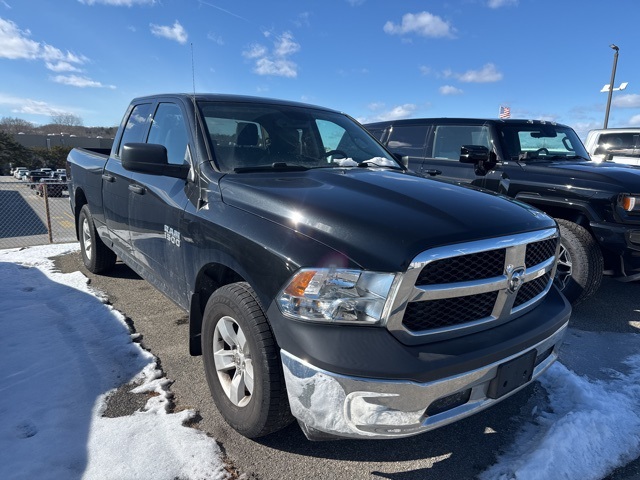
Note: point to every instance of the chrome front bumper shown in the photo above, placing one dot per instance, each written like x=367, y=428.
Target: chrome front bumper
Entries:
x=354, y=407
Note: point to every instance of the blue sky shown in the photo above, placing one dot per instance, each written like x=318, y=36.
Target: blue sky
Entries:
x=374, y=60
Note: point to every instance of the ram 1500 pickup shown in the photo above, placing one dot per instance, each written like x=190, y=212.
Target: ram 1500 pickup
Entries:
x=596, y=205
x=324, y=281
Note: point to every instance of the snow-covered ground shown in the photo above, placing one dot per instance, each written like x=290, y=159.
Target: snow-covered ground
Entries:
x=63, y=350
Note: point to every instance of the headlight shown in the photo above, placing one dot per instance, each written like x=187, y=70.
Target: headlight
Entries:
x=337, y=295
x=629, y=203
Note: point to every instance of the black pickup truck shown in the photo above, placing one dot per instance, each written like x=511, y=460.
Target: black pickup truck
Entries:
x=323, y=280
x=596, y=205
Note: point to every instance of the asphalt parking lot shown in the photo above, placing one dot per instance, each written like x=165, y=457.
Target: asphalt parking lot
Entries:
x=461, y=450
x=26, y=218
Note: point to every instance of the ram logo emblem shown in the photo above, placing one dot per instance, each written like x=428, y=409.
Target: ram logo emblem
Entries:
x=515, y=278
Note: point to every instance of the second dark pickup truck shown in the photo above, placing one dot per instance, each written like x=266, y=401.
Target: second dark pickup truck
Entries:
x=324, y=281
x=596, y=205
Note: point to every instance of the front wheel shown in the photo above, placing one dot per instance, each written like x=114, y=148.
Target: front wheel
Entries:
x=96, y=256
x=242, y=363
x=580, y=263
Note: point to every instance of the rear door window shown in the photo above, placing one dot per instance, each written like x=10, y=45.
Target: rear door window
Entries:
x=409, y=140
x=448, y=139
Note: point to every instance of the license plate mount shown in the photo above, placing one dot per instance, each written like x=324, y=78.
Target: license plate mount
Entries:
x=512, y=374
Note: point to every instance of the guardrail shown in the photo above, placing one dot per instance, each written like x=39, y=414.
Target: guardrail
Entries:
x=34, y=213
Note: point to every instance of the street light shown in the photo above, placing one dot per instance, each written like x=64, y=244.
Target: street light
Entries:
x=609, y=87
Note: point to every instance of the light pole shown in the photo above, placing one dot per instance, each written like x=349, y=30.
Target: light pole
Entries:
x=613, y=77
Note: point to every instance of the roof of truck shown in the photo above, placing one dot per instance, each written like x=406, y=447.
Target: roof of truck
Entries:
x=453, y=121
x=222, y=97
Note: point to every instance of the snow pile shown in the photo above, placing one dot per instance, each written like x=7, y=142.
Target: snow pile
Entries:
x=589, y=428
x=62, y=351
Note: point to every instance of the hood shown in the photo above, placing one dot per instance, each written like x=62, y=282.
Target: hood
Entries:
x=604, y=176
x=380, y=219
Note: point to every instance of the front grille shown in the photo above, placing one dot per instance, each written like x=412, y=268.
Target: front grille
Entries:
x=448, y=311
x=463, y=268
x=499, y=284
x=538, y=252
x=532, y=289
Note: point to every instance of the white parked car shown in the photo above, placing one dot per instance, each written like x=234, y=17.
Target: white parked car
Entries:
x=19, y=171
x=620, y=145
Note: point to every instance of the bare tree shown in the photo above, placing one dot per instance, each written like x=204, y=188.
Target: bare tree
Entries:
x=66, y=120
x=15, y=125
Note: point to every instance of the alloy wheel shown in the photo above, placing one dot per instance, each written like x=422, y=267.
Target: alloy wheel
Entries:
x=233, y=363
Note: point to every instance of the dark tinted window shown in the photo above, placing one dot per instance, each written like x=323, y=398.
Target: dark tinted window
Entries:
x=136, y=125
x=168, y=129
x=377, y=132
x=408, y=140
x=449, y=138
x=620, y=143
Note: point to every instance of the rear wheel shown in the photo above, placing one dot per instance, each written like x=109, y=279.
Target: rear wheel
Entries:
x=96, y=256
x=242, y=363
x=580, y=263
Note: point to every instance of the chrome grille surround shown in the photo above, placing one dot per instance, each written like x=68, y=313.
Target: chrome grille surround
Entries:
x=516, y=286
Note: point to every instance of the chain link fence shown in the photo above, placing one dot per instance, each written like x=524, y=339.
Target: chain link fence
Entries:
x=34, y=213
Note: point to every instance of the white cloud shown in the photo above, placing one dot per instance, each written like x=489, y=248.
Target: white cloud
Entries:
x=78, y=81
x=119, y=3
x=424, y=70
x=50, y=53
x=5, y=5
x=285, y=45
x=487, y=74
x=29, y=106
x=279, y=67
x=635, y=120
x=627, y=101
x=501, y=3
x=175, y=32
x=276, y=62
x=303, y=20
x=450, y=90
x=61, y=67
x=215, y=38
x=256, y=51
x=423, y=23
x=15, y=44
x=395, y=113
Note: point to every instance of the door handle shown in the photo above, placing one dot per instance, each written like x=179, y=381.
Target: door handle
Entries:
x=137, y=189
x=108, y=178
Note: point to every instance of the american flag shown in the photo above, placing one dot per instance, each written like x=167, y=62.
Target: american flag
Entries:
x=505, y=112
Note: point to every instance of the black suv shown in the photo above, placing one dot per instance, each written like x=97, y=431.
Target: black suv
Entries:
x=596, y=205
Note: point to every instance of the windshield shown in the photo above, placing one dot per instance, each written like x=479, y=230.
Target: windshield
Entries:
x=543, y=141
x=254, y=136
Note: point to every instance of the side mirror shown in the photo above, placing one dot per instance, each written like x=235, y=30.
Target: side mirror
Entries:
x=483, y=159
x=152, y=159
x=403, y=159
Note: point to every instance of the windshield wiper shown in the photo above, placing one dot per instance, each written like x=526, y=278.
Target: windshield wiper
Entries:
x=577, y=157
x=276, y=166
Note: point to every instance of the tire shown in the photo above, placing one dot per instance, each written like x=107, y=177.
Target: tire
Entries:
x=95, y=254
x=580, y=263
x=242, y=363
